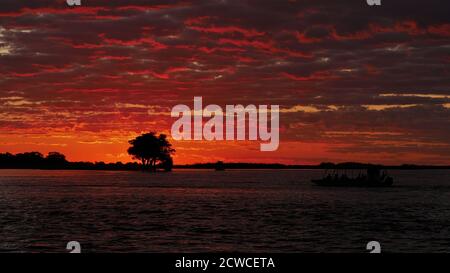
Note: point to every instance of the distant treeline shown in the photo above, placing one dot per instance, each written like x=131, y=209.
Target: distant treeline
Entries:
x=326, y=165
x=55, y=160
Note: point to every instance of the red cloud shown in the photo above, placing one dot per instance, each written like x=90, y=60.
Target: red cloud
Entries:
x=152, y=7
x=37, y=11
x=316, y=76
x=147, y=40
x=302, y=38
x=267, y=46
x=441, y=30
x=228, y=29
x=408, y=27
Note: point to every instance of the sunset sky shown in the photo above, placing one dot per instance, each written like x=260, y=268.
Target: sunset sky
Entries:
x=354, y=82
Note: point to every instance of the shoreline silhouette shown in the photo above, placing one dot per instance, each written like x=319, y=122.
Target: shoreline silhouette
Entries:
x=58, y=161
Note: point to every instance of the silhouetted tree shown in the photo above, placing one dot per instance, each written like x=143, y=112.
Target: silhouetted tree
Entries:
x=7, y=160
x=220, y=166
x=30, y=160
x=55, y=160
x=151, y=149
x=167, y=164
x=327, y=165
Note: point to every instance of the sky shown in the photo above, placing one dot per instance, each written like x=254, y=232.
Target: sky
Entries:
x=354, y=82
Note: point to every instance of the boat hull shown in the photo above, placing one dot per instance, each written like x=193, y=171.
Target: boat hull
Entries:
x=388, y=182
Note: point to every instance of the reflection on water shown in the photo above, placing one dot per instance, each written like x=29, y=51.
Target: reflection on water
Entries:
x=202, y=211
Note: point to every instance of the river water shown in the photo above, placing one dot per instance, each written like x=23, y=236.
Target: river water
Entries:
x=231, y=211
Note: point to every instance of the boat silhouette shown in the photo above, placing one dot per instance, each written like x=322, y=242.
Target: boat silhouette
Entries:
x=339, y=178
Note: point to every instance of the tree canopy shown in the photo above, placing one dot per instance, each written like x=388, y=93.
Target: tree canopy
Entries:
x=36, y=160
x=152, y=150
